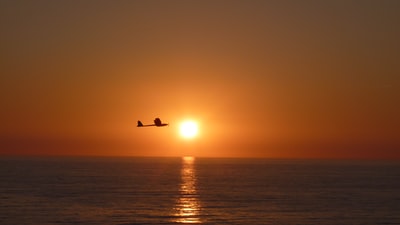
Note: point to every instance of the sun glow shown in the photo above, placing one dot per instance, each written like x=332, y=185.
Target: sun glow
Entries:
x=188, y=129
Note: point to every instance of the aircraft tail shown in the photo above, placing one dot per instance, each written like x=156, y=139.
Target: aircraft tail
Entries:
x=139, y=124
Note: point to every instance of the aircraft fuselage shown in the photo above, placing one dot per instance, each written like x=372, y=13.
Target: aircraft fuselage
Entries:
x=157, y=123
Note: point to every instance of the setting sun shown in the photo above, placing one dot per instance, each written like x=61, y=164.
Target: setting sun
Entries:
x=188, y=129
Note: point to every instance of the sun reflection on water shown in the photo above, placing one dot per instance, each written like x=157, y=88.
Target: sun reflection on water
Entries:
x=187, y=207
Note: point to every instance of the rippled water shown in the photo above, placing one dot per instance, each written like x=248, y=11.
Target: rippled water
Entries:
x=189, y=190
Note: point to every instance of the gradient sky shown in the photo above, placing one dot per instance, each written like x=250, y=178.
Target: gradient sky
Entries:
x=297, y=79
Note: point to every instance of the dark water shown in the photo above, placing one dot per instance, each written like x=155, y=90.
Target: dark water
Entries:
x=188, y=190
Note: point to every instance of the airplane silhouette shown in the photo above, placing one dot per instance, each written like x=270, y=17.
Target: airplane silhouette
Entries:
x=157, y=123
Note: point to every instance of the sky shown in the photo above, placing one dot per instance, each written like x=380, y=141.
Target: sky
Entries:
x=274, y=79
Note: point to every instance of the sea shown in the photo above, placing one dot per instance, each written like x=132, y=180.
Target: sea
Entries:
x=139, y=190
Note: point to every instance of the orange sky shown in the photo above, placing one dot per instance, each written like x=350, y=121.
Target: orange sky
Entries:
x=262, y=78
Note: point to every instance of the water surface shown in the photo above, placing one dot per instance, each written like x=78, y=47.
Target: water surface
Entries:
x=197, y=190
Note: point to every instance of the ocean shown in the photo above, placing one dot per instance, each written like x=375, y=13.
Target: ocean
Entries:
x=101, y=190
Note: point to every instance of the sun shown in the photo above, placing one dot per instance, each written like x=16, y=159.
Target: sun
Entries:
x=188, y=129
